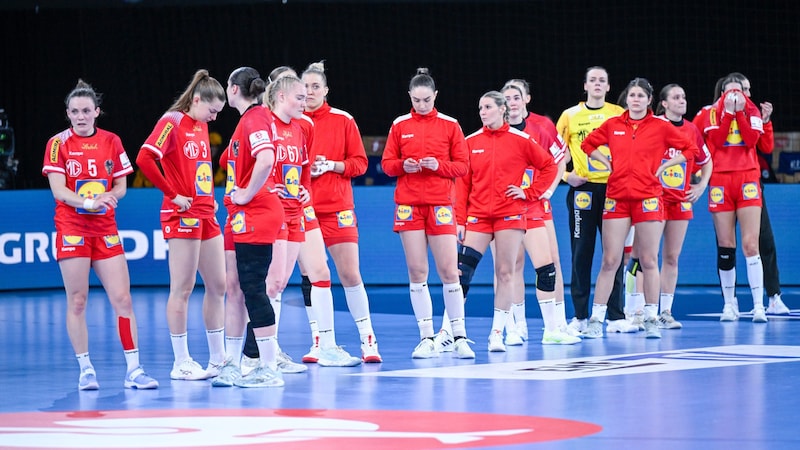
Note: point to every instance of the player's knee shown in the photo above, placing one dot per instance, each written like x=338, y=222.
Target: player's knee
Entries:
x=546, y=278
x=726, y=258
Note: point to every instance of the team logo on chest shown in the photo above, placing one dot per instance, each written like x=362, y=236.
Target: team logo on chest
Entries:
x=191, y=149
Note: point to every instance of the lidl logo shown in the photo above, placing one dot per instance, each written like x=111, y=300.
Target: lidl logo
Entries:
x=444, y=215
x=750, y=191
x=404, y=213
x=204, y=179
x=716, y=195
x=291, y=180
x=346, y=219
x=650, y=204
x=583, y=200
x=674, y=177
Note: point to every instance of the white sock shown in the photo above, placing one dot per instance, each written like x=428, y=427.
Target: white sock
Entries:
x=423, y=308
x=132, y=359
x=518, y=310
x=548, y=307
x=637, y=302
x=276, y=306
x=216, y=346
x=727, y=279
x=322, y=304
x=268, y=351
x=666, y=301
x=561, y=313
x=458, y=326
x=499, y=320
x=447, y=322
x=180, y=347
x=599, y=312
x=650, y=311
x=326, y=339
x=83, y=360
x=755, y=277
x=358, y=303
x=233, y=349
x=453, y=307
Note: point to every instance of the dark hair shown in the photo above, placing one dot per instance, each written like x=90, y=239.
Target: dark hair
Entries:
x=202, y=85
x=278, y=71
x=249, y=81
x=422, y=79
x=589, y=69
x=638, y=81
x=662, y=96
x=84, y=89
x=724, y=81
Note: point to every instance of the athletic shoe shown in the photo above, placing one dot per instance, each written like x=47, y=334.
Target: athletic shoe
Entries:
x=621, y=326
x=638, y=320
x=569, y=330
x=313, y=354
x=139, y=379
x=369, y=351
x=559, y=338
x=260, y=377
x=578, y=326
x=729, y=313
x=286, y=365
x=187, y=370
x=522, y=330
x=425, y=349
x=336, y=357
x=759, y=315
x=496, y=341
x=443, y=341
x=513, y=337
x=667, y=322
x=776, y=305
x=228, y=376
x=462, y=349
x=594, y=329
x=651, y=329
x=248, y=364
x=213, y=369
x=87, y=381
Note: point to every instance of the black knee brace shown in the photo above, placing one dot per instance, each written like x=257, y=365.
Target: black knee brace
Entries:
x=468, y=259
x=252, y=262
x=633, y=266
x=726, y=258
x=305, y=286
x=546, y=278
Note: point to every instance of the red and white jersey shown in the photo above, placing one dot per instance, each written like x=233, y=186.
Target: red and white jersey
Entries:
x=181, y=144
x=675, y=180
x=252, y=135
x=416, y=136
x=291, y=163
x=637, y=148
x=544, y=132
x=731, y=138
x=336, y=137
x=90, y=165
x=497, y=159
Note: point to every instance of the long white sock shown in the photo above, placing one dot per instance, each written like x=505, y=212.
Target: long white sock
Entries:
x=216, y=346
x=83, y=360
x=599, y=312
x=276, y=306
x=132, y=359
x=727, y=279
x=650, y=311
x=180, y=347
x=755, y=277
x=666, y=301
x=637, y=302
x=358, y=303
x=233, y=349
x=561, y=313
x=322, y=303
x=268, y=351
x=548, y=307
x=453, y=308
x=499, y=319
x=423, y=308
x=447, y=322
x=518, y=311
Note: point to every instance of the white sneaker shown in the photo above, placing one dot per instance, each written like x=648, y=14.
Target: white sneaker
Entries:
x=260, y=377
x=594, y=330
x=369, y=350
x=228, y=376
x=87, y=381
x=513, y=338
x=425, y=349
x=188, y=369
x=443, y=341
x=730, y=313
x=496, y=341
x=522, y=330
x=667, y=322
x=776, y=305
x=249, y=364
x=577, y=326
x=336, y=357
x=638, y=320
x=139, y=379
x=621, y=326
x=213, y=369
x=759, y=315
x=313, y=354
x=559, y=338
x=286, y=365
x=462, y=349
x=651, y=329
x=569, y=330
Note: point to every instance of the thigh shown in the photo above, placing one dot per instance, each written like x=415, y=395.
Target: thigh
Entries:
x=183, y=259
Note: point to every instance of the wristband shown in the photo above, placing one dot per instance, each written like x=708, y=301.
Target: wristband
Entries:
x=88, y=204
x=547, y=194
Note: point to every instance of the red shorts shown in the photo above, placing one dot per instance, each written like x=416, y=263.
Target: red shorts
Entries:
x=310, y=218
x=638, y=211
x=93, y=247
x=534, y=218
x=257, y=224
x=729, y=191
x=293, y=230
x=678, y=211
x=491, y=224
x=338, y=227
x=435, y=220
x=189, y=228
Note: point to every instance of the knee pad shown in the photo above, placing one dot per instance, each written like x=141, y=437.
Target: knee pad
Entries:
x=546, y=278
x=633, y=266
x=305, y=286
x=726, y=258
x=261, y=313
x=468, y=259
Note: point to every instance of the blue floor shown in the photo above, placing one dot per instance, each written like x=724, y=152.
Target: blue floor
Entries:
x=710, y=385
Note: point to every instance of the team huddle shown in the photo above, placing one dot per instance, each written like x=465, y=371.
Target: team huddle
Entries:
x=288, y=195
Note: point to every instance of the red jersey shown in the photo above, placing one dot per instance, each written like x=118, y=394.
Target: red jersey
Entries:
x=544, y=131
x=675, y=180
x=497, y=159
x=637, y=148
x=291, y=163
x=253, y=134
x=416, y=136
x=336, y=137
x=181, y=144
x=90, y=165
x=731, y=138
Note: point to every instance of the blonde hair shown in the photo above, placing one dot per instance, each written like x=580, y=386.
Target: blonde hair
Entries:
x=282, y=84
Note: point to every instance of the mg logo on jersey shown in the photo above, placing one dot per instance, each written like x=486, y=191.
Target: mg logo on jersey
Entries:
x=191, y=149
x=74, y=168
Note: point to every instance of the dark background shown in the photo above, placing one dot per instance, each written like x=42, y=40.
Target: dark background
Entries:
x=141, y=54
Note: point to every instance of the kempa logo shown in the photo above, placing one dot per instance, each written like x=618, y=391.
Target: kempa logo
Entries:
x=606, y=366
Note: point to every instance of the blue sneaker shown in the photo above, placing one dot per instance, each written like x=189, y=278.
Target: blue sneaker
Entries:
x=337, y=357
x=88, y=380
x=139, y=379
x=260, y=377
